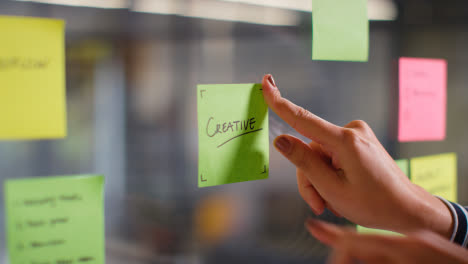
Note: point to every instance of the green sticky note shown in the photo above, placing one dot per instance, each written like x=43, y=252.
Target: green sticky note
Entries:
x=365, y=230
x=232, y=134
x=437, y=174
x=55, y=220
x=340, y=30
x=404, y=166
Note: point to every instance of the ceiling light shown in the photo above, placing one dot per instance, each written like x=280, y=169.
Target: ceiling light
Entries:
x=86, y=3
x=376, y=9
x=220, y=10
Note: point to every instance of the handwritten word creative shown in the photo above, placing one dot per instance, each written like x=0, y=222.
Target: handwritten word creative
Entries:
x=32, y=78
x=437, y=174
x=340, y=30
x=55, y=219
x=233, y=134
x=231, y=126
x=422, y=110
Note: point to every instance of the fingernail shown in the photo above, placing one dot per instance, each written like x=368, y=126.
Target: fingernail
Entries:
x=271, y=80
x=282, y=144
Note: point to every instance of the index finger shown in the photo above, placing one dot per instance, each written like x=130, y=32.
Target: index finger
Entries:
x=303, y=121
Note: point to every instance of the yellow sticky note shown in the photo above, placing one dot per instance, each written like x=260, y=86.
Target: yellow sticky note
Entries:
x=32, y=78
x=437, y=174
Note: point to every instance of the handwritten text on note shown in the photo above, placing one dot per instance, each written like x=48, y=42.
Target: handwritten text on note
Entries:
x=422, y=113
x=437, y=174
x=32, y=78
x=55, y=220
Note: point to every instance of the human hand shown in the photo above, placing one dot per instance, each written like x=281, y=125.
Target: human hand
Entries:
x=347, y=170
x=422, y=247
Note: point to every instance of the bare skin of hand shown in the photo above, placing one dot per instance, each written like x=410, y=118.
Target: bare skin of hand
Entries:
x=422, y=247
x=347, y=170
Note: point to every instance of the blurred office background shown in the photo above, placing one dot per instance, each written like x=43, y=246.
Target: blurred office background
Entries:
x=132, y=68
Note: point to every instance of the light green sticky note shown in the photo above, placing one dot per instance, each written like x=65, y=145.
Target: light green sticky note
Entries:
x=55, y=220
x=232, y=134
x=340, y=30
x=365, y=230
x=437, y=174
x=404, y=166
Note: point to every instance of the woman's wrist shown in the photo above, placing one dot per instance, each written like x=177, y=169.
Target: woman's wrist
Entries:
x=434, y=215
x=443, y=224
x=460, y=218
x=453, y=213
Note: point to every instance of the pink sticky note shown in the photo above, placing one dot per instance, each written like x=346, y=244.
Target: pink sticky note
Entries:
x=423, y=99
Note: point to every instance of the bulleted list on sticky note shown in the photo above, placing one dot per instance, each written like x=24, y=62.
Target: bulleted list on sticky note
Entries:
x=55, y=219
x=32, y=78
x=340, y=30
x=423, y=99
x=437, y=174
x=233, y=134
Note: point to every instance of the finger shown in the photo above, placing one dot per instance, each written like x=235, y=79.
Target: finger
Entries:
x=332, y=210
x=357, y=124
x=362, y=127
x=340, y=257
x=319, y=172
x=371, y=249
x=368, y=248
x=325, y=233
x=364, y=247
x=309, y=194
x=301, y=120
x=329, y=152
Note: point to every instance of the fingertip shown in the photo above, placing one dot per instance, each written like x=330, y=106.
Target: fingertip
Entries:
x=311, y=225
x=283, y=144
x=271, y=80
x=325, y=233
x=310, y=222
x=315, y=229
x=268, y=84
x=316, y=204
x=319, y=210
x=265, y=83
x=268, y=80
